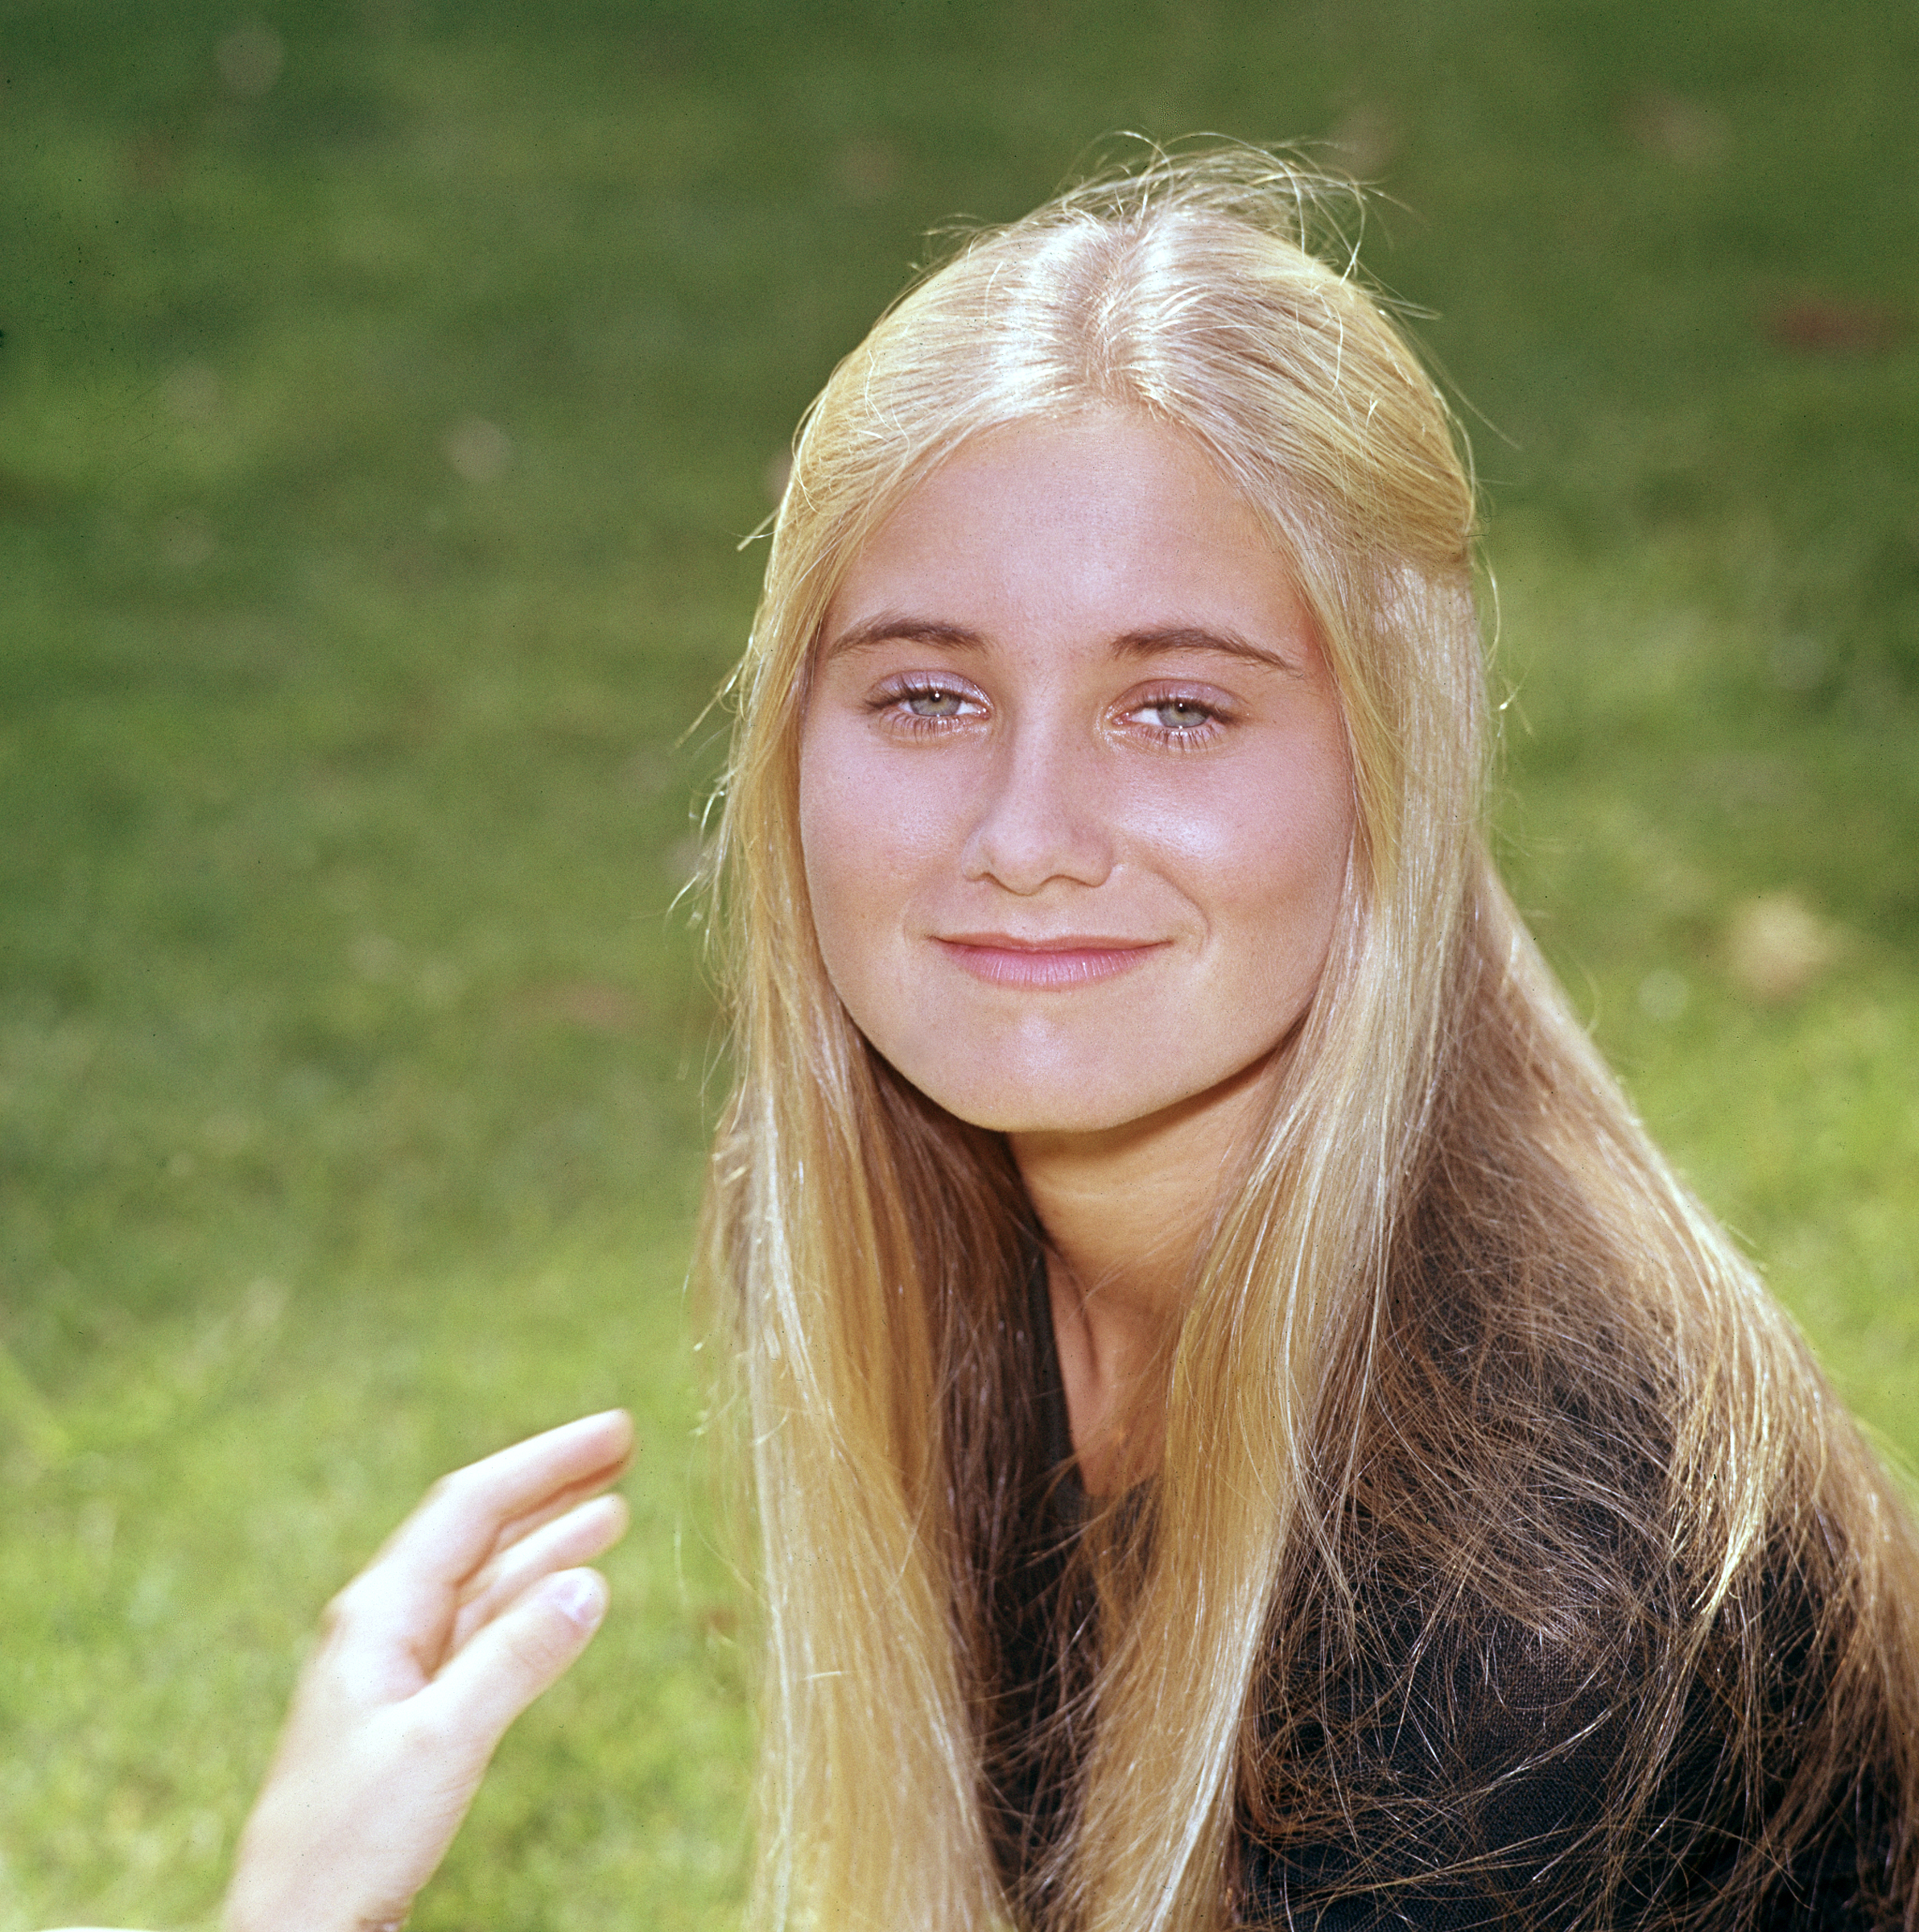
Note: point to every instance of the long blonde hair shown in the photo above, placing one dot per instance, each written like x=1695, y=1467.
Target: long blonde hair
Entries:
x=1453, y=1266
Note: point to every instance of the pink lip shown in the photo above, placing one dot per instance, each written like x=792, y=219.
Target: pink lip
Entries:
x=1043, y=965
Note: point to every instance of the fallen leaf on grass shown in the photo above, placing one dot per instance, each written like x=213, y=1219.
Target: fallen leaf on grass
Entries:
x=598, y=1005
x=249, y=58
x=1368, y=140
x=1676, y=128
x=1777, y=947
x=1817, y=324
x=478, y=450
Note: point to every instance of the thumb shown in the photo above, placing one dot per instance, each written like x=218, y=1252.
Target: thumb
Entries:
x=507, y=1664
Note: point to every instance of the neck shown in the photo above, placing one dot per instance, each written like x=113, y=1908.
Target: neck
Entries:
x=1125, y=1212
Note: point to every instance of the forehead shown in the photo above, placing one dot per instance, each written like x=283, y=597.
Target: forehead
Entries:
x=1111, y=516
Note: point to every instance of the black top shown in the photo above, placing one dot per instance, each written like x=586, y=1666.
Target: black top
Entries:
x=1488, y=1766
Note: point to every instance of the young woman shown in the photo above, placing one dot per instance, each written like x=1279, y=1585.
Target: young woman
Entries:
x=1246, y=1429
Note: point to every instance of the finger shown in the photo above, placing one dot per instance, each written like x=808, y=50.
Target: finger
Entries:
x=513, y=1658
x=458, y=1526
x=575, y=1538
x=462, y=1517
x=557, y=1505
x=408, y=1593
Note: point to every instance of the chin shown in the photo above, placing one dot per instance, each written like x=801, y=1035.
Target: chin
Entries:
x=1024, y=1119
x=1034, y=1107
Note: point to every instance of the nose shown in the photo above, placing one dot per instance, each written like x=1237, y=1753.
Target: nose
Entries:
x=1039, y=817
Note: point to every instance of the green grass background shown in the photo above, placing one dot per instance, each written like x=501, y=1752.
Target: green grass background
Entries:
x=353, y=1067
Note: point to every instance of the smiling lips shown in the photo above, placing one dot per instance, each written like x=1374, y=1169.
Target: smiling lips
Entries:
x=1045, y=965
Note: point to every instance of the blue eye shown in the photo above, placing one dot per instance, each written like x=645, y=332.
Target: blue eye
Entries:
x=1178, y=714
x=934, y=704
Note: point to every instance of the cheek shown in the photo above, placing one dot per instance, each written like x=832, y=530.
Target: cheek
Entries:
x=832, y=846
x=876, y=826
x=863, y=847
x=1313, y=842
x=1281, y=877
x=1269, y=848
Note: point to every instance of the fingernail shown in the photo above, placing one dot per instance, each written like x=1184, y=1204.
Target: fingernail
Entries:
x=580, y=1595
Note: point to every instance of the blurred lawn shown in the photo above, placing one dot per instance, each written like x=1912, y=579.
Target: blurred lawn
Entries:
x=382, y=397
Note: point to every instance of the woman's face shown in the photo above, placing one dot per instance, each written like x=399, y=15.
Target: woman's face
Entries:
x=1075, y=793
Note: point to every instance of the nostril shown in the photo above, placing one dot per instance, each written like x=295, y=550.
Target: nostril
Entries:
x=1026, y=851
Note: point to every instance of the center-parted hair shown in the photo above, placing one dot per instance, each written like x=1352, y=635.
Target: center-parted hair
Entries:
x=1473, y=1413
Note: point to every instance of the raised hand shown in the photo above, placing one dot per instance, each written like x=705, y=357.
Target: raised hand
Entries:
x=473, y=1607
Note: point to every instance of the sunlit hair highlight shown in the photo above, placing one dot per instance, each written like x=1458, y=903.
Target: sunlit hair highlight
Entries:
x=1447, y=1175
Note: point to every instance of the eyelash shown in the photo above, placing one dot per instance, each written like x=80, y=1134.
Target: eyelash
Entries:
x=894, y=703
x=1190, y=737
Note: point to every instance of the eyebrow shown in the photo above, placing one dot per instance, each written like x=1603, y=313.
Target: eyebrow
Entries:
x=889, y=628
x=1193, y=636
